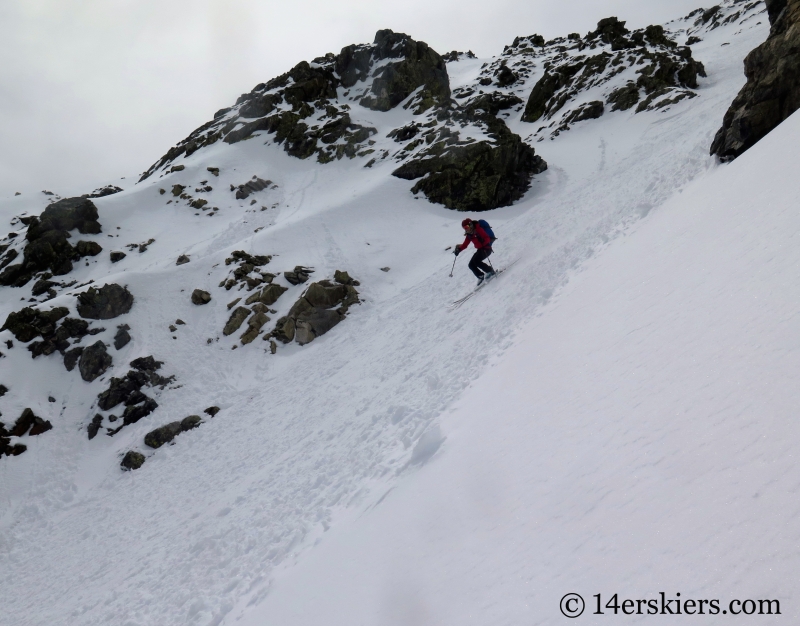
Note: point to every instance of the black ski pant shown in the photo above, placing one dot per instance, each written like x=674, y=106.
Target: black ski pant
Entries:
x=477, y=265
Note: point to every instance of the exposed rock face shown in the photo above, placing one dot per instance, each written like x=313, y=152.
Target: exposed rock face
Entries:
x=323, y=305
x=252, y=186
x=476, y=176
x=772, y=91
x=106, y=303
x=47, y=247
x=132, y=460
x=94, y=361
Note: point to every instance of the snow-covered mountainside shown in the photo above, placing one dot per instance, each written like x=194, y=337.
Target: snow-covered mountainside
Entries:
x=259, y=330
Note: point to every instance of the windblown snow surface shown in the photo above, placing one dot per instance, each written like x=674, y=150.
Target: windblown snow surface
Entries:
x=614, y=414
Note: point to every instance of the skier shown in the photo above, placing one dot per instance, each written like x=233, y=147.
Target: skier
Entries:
x=475, y=233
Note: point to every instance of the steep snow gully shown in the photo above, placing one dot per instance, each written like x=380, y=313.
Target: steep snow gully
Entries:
x=613, y=415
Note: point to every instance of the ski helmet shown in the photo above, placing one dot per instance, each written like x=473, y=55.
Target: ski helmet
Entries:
x=466, y=224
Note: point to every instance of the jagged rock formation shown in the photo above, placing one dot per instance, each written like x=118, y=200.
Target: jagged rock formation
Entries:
x=772, y=92
x=665, y=74
x=48, y=248
x=307, y=111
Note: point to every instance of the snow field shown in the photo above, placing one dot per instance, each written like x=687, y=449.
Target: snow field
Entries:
x=313, y=437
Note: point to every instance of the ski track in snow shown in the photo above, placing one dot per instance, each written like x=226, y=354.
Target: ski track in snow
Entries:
x=313, y=433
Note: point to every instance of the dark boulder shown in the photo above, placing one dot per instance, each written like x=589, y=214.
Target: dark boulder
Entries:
x=106, y=303
x=146, y=364
x=212, y=410
x=772, y=91
x=94, y=427
x=94, y=361
x=132, y=460
x=117, y=256
x=200, y=297
x=123, y=337
x=182, y=259
x=102, y=192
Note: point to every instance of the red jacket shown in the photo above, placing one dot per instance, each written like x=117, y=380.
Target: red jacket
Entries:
x=478, y=237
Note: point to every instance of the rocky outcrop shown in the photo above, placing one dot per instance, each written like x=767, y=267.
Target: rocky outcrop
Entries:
x=106, y=303
x=475, y=176
x=772, y=91
x=236, y=320
x=247, y=273
x=323, y=305
x=666, y=74
x=47, y=248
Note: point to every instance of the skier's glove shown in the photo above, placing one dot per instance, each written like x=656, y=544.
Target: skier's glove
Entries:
x=457, y=251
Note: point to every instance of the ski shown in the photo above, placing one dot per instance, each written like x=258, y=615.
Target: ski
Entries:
x=458, y=303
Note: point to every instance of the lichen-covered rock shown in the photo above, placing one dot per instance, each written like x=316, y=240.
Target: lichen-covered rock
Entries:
x=158, y=437
x=772, y=91
x=235, y=321
x=132, y=460
x=200, y=297
x=106, y=303
x=94, y=361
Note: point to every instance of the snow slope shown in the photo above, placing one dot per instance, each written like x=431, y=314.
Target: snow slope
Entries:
x=639, y=436
x=313, y=437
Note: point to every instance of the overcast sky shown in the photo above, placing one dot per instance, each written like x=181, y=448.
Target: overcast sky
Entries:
x=94, y=90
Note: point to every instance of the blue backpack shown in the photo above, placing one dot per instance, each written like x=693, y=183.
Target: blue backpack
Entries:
x=485, y=226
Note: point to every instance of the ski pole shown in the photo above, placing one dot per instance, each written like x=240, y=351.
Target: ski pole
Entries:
x=454, y=267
